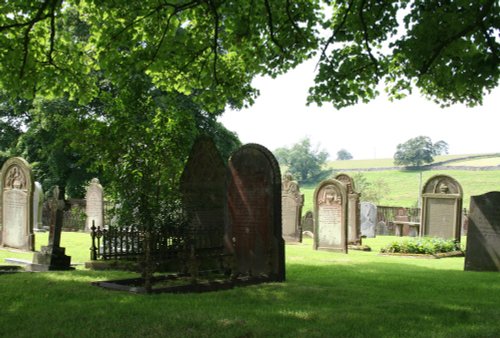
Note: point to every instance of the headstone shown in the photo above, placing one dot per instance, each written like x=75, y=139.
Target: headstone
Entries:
x=441, y=208
x=368, y=219
x=37, y=207
x=94, y=205
x=381, y=229
x=254, y=233
x=203, y=187
x=353, y=211
x=330, y=221
x=291, y=203
x=53, y=257
x=308, y=222
x=16, y=188
x=483, y=236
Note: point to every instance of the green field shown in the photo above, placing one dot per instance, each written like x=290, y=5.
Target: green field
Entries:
x=326, y=294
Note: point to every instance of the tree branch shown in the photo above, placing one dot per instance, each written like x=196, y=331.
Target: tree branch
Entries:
x=365, y=34
x=271, y=26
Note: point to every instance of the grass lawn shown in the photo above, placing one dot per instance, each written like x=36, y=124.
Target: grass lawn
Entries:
x=326, y=294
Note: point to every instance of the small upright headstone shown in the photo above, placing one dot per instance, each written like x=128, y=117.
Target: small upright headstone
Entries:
x=254, y=233
x=37, y=207
x=353, y=211
x=94, y=205
x=368, y=219
x=16, y=190
x=292, y=201
x=52, y=257
x=381, y=229
x=330, y=221
x=203, y=187
x=308, y=221
x=441, y=208
x=483, y=236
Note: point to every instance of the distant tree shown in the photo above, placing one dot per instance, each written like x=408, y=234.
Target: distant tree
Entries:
x=302, y=160
x=419, y=151
x=371, y=191
x=343, y=155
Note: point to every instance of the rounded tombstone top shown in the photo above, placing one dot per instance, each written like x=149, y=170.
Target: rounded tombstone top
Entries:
x=95, y=181
x=442, y=184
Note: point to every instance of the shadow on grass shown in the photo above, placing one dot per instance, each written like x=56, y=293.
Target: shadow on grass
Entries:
x=337, y=300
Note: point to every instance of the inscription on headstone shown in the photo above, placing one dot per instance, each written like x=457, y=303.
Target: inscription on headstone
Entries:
x=368, y=219
x=254, y=232
x=94, y=205
x=441, y=208
x=330, y=225
x=292, y=202
x=483, y=236
x=16, y=187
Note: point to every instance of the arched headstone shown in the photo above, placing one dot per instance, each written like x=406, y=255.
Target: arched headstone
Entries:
x=330, y=216
x=16, y=187
x=94, y=205
x=254, y=233
x=353, y=209
x=291, y=203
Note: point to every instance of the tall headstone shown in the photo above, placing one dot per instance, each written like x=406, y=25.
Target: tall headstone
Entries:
x=203, y=187
x=330, y=216
x=37, y=206
x=441, y=208
x=291, y=203
x=353, y=211
x=94, y=205
x=254, y=233
x=483, y=236
x=16, y=187
x=368, y=219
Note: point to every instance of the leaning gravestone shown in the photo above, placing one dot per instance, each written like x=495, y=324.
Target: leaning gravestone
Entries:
x=330, y=221
x=441, y=208
x=37, y=206
x=16, y=188
x=291, y=203
x=203, y=187
x=483, y=236
x=368, y=219
x=94, y=205
x=353, y=212
x=253, y=233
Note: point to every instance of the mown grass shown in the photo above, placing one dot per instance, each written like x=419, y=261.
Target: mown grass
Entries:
x=326, y=294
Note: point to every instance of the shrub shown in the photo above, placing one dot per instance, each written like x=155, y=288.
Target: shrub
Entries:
x=425, y=245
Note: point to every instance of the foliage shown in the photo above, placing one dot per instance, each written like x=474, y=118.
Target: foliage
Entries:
x=343, y=155
x=418, y=151
x=424, y=245
x=302, y=160
x=214, y=49
x=371, y=191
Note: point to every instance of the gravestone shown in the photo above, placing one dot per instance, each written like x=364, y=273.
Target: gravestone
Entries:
x=441, y=208
x=381, y=229
x=37, y=207
x=291, y=203
x=203, y=188
x=53, y=257
x=368, y=219
x=330, y=221
x=483, y=236
x=353, y=211
x=254, y=233
x=308, y=222
x=16, y=188
x=94, y=205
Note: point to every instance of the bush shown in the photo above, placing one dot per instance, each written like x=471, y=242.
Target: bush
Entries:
x=425, y=245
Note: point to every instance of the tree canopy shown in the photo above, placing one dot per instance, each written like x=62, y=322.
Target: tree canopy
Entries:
x=213, y=49
x=418, y=151
x=343, y=155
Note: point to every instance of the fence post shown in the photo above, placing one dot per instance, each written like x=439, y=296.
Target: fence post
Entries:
x=93, y=248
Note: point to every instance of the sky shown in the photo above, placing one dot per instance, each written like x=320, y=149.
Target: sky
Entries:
x=281, y=118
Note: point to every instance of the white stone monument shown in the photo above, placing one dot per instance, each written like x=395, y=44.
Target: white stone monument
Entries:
x=94, y=205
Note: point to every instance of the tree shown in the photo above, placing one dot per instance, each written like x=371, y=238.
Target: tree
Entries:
x=373, y=191
x=418, y=151
x=302, y=160
x=213, y=49
x=343, y=155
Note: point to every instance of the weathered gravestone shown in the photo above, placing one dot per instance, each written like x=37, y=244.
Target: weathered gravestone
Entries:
x=94, y=205
x=368, y=219
x=441, y=208
x=254, y=234
x=330, y=221
x=52, y=257
x=291, y=203
x=16, y=188
x=37, y=206
x=203, y=187
x=353, y=212
x=483, y=236
x=308, y=222
x=381, y=229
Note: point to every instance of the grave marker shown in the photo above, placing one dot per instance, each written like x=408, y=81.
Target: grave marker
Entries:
x=94, y=205
x=291, y=203
x=353, y=211
x=368, y=219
